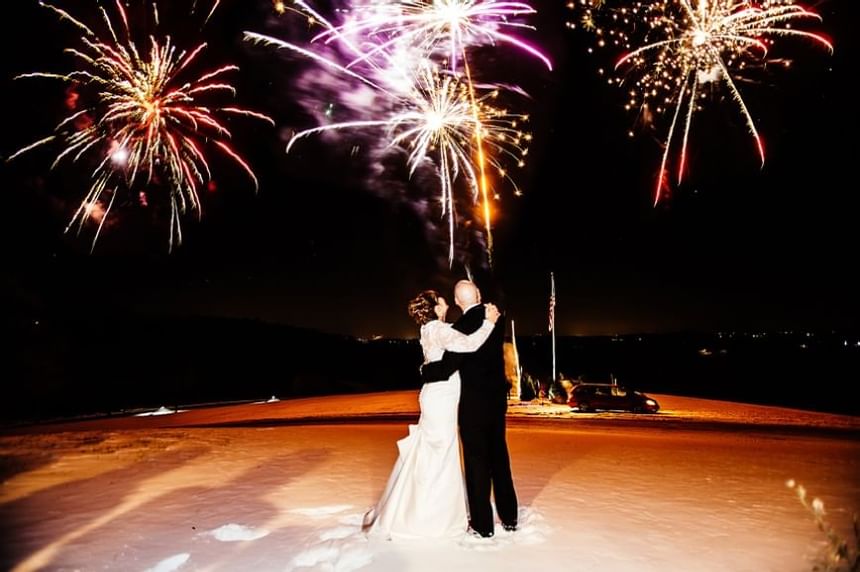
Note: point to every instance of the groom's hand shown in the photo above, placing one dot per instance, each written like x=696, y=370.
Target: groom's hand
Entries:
x=440, y=370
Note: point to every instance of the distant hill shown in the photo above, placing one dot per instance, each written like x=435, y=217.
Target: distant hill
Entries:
x=807, y=370
x=105, y=364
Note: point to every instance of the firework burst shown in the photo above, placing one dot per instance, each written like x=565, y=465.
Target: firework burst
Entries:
x=443, y=117
x=446, y=28
x=688, y=48
x=414, y=55
x=147, y=124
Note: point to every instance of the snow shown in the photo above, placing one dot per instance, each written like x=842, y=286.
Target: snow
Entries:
x=282, y=486
x=170, y=564
x=160, y=411
x=235, y=532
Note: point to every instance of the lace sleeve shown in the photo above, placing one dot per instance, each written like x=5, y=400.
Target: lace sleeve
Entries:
x=452, y=340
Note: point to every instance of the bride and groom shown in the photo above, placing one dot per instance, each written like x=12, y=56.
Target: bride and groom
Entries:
x=465, y=385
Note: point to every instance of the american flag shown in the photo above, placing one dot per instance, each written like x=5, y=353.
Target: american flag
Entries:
x=552, y=302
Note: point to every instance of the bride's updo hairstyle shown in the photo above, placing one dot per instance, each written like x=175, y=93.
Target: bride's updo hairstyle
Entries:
x=422, y=307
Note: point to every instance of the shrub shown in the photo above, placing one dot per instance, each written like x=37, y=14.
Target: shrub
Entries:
x=837, y=556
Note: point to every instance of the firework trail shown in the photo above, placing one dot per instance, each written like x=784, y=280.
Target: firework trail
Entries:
x=688, y=47
x=146, y=125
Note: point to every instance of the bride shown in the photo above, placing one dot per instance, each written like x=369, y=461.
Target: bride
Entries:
x=425, y=495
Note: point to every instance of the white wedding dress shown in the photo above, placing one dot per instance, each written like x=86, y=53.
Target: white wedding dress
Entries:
x=425, y=496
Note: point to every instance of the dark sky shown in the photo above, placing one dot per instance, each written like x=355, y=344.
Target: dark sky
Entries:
x=735, y=247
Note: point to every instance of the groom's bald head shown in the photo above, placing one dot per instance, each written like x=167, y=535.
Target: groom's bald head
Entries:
x=466, y=294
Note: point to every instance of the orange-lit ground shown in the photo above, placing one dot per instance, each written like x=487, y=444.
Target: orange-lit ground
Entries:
x=699, y=486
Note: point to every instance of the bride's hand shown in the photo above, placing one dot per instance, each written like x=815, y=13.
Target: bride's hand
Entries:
x=491, y=312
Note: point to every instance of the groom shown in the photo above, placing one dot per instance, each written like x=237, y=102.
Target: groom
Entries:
x=483, y=401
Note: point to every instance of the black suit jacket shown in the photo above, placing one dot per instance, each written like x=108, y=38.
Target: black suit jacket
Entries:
x=484, y=387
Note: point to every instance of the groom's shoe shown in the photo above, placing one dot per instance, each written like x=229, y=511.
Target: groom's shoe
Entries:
x=474, y=533
x=509, y=526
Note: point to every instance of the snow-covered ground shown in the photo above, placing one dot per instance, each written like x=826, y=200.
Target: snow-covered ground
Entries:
x=273, y=486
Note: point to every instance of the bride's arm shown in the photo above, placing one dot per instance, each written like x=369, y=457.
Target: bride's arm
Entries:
x=454, y=341
x=456, y=344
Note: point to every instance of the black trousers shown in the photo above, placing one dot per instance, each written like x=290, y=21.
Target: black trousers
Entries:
x=487, y=466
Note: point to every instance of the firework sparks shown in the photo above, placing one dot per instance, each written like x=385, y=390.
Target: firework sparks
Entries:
x=147, y=125
x=691, y=46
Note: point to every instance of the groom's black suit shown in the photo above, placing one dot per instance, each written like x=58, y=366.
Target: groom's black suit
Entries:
x=483, y=401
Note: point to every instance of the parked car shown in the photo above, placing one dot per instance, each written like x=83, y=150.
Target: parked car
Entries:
x=610, y=397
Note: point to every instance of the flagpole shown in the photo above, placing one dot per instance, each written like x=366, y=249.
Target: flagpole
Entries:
x=552, y=322
x=516, y=359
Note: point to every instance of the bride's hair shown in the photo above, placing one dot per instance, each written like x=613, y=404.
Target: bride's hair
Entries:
x=421, y=307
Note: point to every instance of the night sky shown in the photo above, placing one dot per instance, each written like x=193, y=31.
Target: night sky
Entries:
x=735, y=247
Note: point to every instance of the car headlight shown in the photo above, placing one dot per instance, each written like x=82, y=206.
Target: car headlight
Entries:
x=650, y=402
